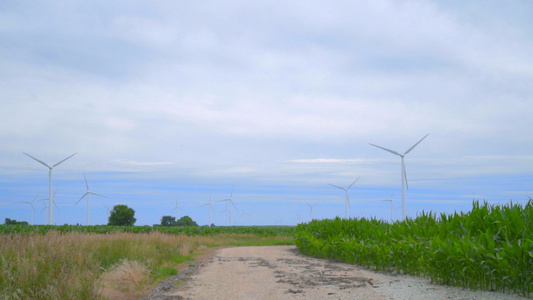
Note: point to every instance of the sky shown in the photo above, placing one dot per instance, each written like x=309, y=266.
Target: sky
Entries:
x=185, y=101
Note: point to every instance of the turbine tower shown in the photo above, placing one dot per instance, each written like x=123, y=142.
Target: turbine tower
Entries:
x=88, y=194
x=229, y=200
x=347, y=199
x=50, y=197
x=210, y=208
x=404, y=174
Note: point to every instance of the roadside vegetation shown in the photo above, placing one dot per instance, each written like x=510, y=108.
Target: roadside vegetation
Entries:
x=489, y=248
x=108, y=262
x=187, y=230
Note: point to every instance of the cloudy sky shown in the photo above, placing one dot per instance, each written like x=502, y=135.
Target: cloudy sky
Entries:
x=182, y=100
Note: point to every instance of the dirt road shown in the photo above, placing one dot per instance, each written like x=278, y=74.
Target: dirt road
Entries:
x=280, y=272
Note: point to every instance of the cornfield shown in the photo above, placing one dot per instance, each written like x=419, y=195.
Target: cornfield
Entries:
x=489, y=248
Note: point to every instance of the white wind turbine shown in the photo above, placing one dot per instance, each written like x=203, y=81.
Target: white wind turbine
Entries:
x=347, y=199
x=391, y=206
x=88, y=194
x=230, y=201
x=210, y=208
x=177, y=208
x=108, y=210
x=226, y=211
x=47, y=199
x=50, y=197
x=404, y=174
x=244, y=214
x=32, y=211
x=311, y=207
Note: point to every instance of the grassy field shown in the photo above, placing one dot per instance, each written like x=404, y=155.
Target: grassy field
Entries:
x=490, y=247
x=39, y=262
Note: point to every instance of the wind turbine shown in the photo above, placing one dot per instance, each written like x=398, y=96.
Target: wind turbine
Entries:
x=32, y=211
x=347, y=199
x=391, y=207
x=226, y=211
x=244, y=214
x=210, y=208
x=50, y=197
x=311, y=207
x=229, y=200
x=108, y=209
x=88, y=194
x=404, y=173
x=44, y=203
x=177, y=208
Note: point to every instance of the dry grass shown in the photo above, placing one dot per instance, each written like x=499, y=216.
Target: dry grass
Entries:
x=99, y=266
x=125, y=280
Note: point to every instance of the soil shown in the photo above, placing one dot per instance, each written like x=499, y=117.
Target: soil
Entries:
x=281, y=272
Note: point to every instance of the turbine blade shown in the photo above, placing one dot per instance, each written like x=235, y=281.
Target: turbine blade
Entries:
x=405, y=174
x=231, y=195
x=81, y=198
x=86, y=184
x=233, y=204
x=63, y=160
x=353, y=183
x=415, y=144
x=337, y=186
x=41, y=162
x=389, y=150
x=97, y=194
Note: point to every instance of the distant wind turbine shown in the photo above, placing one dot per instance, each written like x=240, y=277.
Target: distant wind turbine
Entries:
x=226, y=211
x=391, y=206
x=50, y=197
x=210, y=208
x=244, y=214
x=230, y=201
x=311, y=207
x=177, y=208
x=347, y=199
x=108, y=210
x=32, y=211
x=47, y=199
x=88, y=194
x=404, y=173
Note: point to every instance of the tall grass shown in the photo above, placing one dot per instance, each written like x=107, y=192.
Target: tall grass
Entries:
x=490, y=247
x=77, y=265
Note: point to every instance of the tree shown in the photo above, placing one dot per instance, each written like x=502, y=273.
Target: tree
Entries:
x=122, y=215
x=168, y=221
x=186, y=221
x=8, y=221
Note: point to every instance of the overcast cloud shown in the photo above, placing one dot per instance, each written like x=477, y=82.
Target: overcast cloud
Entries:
x=266, y=95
